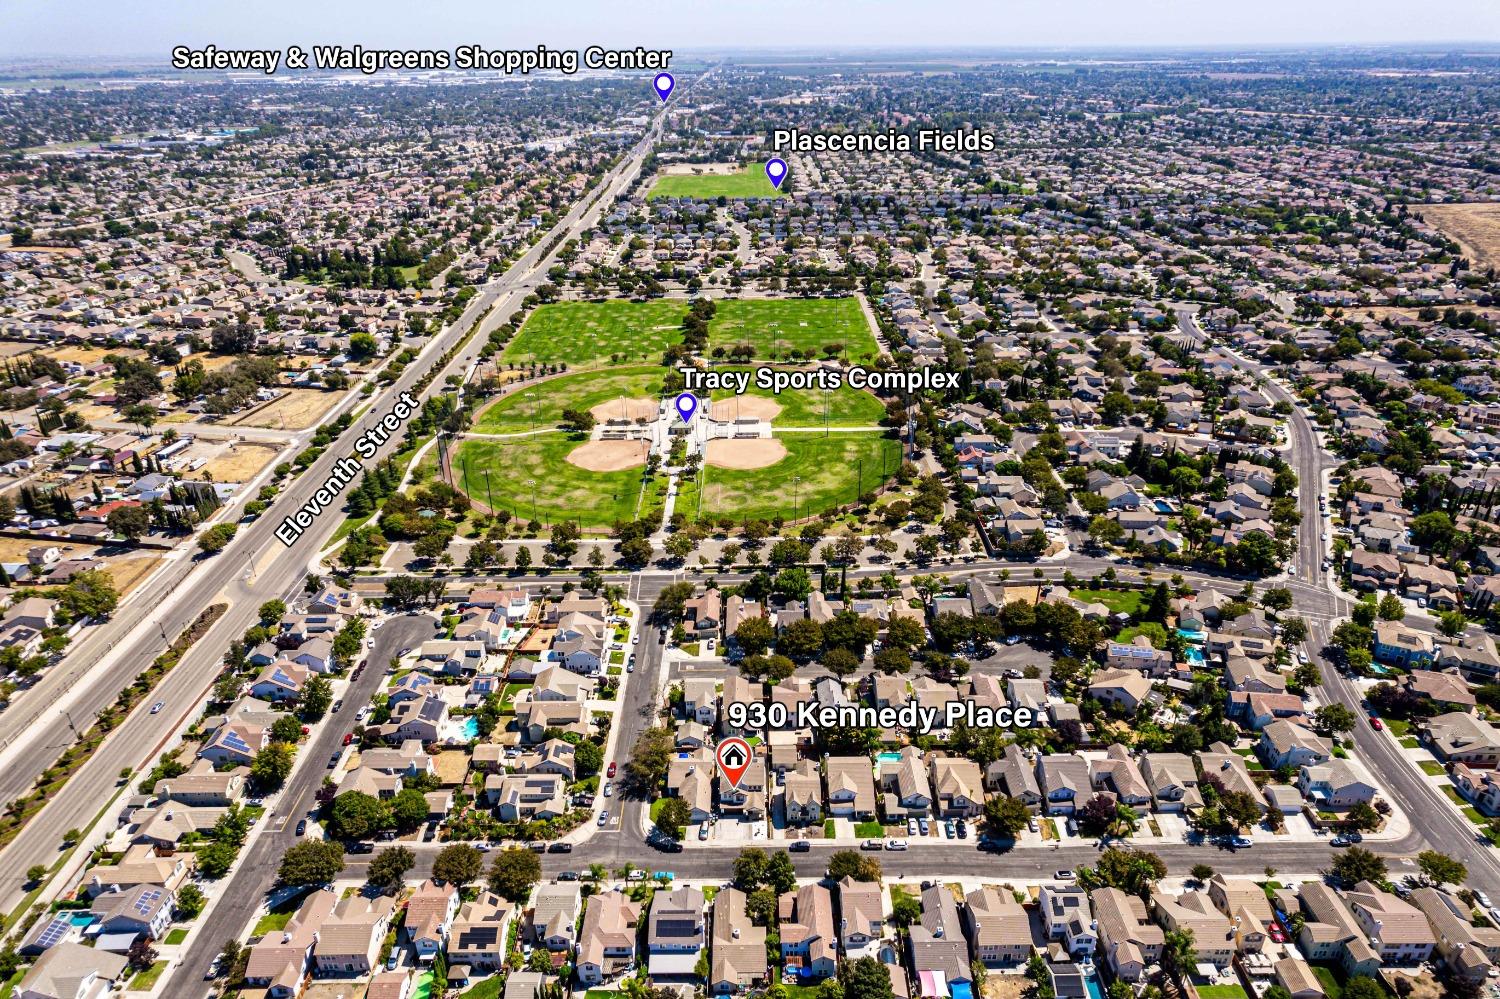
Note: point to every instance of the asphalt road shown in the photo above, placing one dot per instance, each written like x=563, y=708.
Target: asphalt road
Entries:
x=245, y=889
x=277, y=571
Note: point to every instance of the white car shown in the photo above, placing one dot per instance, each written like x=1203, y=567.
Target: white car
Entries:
x=895, y=844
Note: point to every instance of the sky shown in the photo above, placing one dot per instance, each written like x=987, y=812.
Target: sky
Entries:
x=150, y=27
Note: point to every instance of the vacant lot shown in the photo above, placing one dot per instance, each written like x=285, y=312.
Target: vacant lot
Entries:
x=532, y=477
x=129, y=572
x=1474, y=227
x=584, y=333
x=775, y=326
x=296, y=409
x=238, y=465
x=541, y=406
x=747, y=182
x=830, y=469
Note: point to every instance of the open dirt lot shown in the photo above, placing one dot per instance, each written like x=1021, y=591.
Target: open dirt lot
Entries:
x=15, y=549
x=451, y=766
x=626, y=409
x=1474, y=227
x=238, y=465
x=129, y=572
x=297, y=409
x=609, y=456
x=744, y=454
x=746, y=407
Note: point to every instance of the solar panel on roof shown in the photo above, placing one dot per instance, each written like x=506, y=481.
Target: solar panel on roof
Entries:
x=146, y=900
x=55, y=931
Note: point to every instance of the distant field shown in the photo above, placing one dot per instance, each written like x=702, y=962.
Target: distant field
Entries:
x=847, y=407
x=1474, y=227
x=563, y=491
x=750, y=182
x=830, y=469
x=774, y=326
x=582, y=333
x=516, y=413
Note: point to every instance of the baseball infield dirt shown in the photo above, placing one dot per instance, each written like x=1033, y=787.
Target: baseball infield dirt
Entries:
x=626, y=409
x=744, y=454
x=609, y=456
x=746, y=407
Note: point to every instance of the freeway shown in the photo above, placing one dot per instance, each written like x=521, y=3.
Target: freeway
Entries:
x=256, y=567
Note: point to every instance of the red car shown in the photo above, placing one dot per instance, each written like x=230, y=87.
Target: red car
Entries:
x=348, y=738
x=1276, y=933
x=1376, y=723
x=611, y=771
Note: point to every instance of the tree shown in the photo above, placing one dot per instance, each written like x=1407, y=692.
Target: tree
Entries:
x=388, y=869
x=356, y=815
x=1358, y=864
x=1201, y=872
x=754, y=635
x=1441, y=869
x=649, y=759
x=35, y=873
x=750, y=868
x=408, y=809
x=802, y=639
x=270, y=767
x=311, y=862
x=141, y=954
x=905, y=633
x=848, y=630
x=867, y=978
x=216, y=538
x=1178, y=954
x=131, y=522
x=189, y=901
x=317, y=697
x=1334, y=718
x=215, y=859
x=513, y=873
x=1363, y=987
x=458, y=864
x=840, y=662
x=1278, y=598
x=1293, y=630
x=1133, y=871
x=286, y=729
x=905, y=910
x=90, y=593
x=1391, y=608
x=1097, y=815
x=780, y=874
x=853, y=864
x=1452, y=623
x=672, y=816
x=1362, y=818
x=588, y=758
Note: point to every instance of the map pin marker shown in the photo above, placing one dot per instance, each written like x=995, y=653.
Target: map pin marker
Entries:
x=687, y=405
x=664, y=84
x=733, y=757
x=776, y=171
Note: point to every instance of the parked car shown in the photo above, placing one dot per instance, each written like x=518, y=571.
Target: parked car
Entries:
x=799, y=846
x=610, y=773
x=301, y=827
x=895, y=844
x=1376, y=723
x=872, y=844
x=911, y=827
x=1241, y=842
x=1339, y=841
x=567, y=876
x=604, y=818
x=360, y=847
x=1063, y=875
x=702, y=831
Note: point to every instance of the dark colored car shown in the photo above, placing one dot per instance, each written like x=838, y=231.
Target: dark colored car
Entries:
x=560, y=848
x=301, y=826
x=799, y=846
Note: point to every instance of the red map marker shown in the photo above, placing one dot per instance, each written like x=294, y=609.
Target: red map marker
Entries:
x=733, y=757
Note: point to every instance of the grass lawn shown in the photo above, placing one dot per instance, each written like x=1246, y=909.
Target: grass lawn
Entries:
x=802, y=991
x=869, y=830
x=580, y=333
x=8, y=986
x=1411, y=742
x=656, y=807
x=1432, y=768
x=831, y=470
x=847, y=407
x=1221, y=992
x=492, y=986
x=271, y=922
x=562, y=491
x=177, y=936
x=1399, y=728
x=829, y=828
x=1118, y=601
x=516, y=413
x=749, y=182
x=775, y=326
x=1469, y=810
x=145, y=980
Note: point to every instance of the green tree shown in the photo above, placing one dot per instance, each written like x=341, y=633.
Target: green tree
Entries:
x=130, y=522
x=754, y=635
x=1363, y=987
x=356, y=815
x=189, y=902
x=905, y=910
x=780, y=874
x=1358, y=864
x=316, y=698
x=408, y=809
x=1333, y=718
x=215, y=859
x=272, y=611
x=1452, y=623
x=271, y=766
x=513, y=872
x=1362, y=817
x=671, y=816
x=458, y=864
x=750, y=868
x=1441, y=869
x=90, y=593
x=311, y=862
x=1391, y=608
x=216, y=538
x=853, y=864
x=388, y=870
x=1178, y=954
x=1005, y=817
x=867, y=978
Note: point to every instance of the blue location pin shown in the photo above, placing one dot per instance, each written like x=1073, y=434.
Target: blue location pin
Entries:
x=687, y=405
x=664, y=84
x=776, y=171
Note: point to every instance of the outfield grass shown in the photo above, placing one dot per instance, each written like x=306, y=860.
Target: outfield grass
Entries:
x=829, y=468
x=847, y=407
x=750, y=182
x=1118, y=601
x=775, y=326
x=583, y=333
x=516, y=413
x=562, y=491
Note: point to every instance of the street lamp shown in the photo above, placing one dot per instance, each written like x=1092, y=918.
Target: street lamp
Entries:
x=532, y=484
x=795, y=480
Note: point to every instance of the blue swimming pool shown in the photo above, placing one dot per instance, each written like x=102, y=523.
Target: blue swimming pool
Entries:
x=1191, y=636
x=1193, y=654
x=888, y=758
x=470, y=728
x=1091, y=982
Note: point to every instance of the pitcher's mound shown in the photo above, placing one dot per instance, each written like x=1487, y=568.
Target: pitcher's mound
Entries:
x=746, y=407
x=626, y=409
x=609, y=456
x=744, y=454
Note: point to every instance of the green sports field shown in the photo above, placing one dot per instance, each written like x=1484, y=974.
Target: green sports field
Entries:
x=583, y=333
x=564, y=492
x=830, y=468
x=774, y=326
x=542, y=405
x=750, y=182
x=847, y=407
